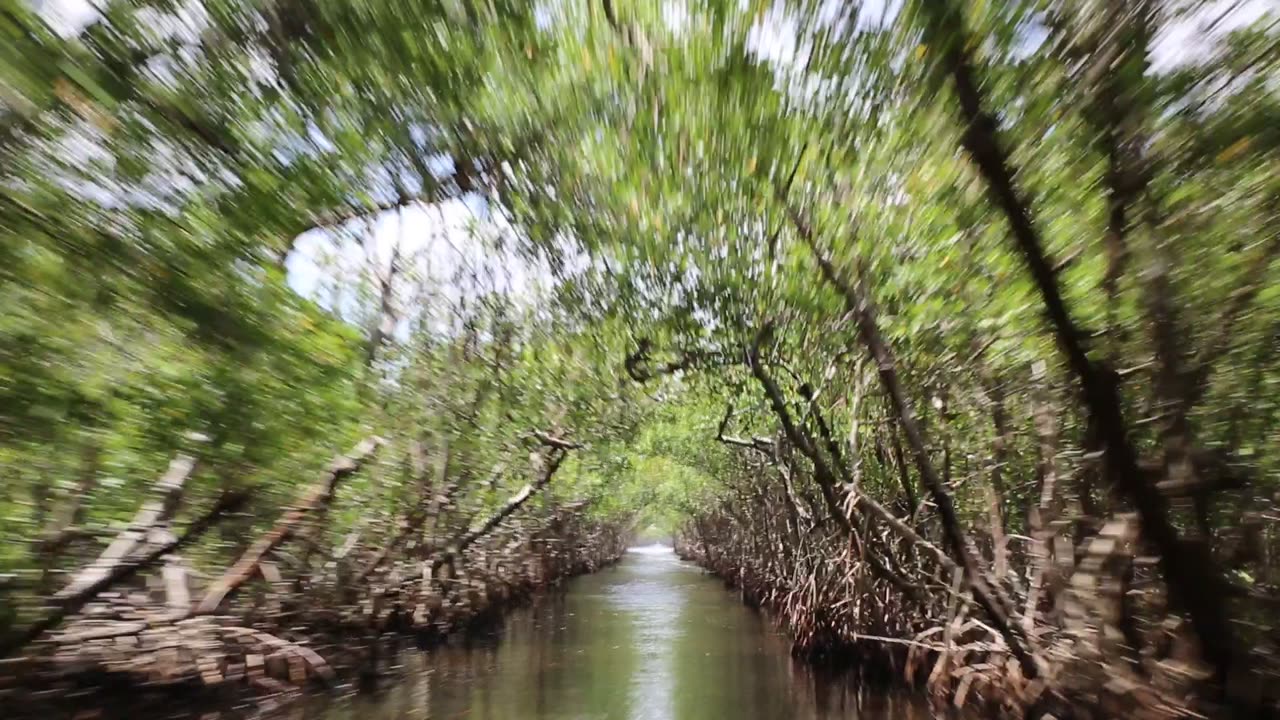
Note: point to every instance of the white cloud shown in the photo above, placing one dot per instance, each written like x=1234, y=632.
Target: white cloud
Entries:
x=448, y=250
x=68, y=17
x=1197, y=36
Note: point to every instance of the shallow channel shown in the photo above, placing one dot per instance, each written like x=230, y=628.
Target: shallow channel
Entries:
x=652, y=638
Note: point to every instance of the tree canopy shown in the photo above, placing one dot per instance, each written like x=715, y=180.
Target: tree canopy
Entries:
x=921, y=286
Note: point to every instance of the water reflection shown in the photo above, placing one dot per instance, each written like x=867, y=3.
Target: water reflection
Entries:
x=651, y=639
x=650, y=601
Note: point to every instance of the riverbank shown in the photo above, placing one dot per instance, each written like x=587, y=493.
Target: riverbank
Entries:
x=123, y=643
x=233, y=665
x=872, y=638
x=834, y=617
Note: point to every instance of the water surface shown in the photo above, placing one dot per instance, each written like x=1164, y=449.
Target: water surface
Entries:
x=653, y=638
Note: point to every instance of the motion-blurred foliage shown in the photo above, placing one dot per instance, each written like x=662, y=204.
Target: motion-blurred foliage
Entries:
x=669, y=178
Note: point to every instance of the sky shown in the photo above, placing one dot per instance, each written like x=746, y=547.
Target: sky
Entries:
x=435, y=242
x=437, y=238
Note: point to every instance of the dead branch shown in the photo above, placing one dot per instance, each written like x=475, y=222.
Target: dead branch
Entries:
x=314, y=499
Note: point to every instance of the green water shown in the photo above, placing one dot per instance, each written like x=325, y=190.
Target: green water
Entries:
x=653, y=638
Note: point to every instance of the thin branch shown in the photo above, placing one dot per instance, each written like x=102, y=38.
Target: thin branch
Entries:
x=761, y=445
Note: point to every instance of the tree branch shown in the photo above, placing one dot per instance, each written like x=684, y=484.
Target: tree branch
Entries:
x=989, y=595
x=1192, y=581
x=120, y=572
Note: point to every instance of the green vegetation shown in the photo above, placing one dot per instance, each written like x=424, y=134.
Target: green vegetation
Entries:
x=867, y=304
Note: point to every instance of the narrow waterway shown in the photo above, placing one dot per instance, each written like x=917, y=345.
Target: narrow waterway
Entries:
x=653, y=638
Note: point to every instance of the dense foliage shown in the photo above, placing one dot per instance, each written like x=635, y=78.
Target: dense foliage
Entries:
x=868, y=303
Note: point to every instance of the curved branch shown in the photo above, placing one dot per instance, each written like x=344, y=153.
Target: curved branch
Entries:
x=470, y=537
x=759, y=444
x=637, y=363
